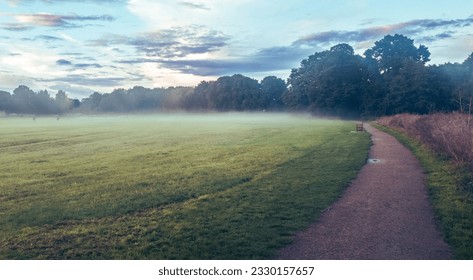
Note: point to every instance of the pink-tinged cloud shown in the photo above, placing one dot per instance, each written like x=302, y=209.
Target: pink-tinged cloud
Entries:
x=52, y=20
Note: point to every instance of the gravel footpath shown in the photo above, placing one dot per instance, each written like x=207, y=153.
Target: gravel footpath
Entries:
x=384, y=214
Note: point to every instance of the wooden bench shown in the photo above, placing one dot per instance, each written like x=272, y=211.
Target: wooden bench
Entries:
x=359, y=127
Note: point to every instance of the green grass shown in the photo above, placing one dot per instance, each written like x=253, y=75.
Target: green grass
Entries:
x=452, y=202
x=222, y=186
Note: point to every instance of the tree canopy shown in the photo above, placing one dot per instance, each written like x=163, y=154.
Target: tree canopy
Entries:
x=394, y=51
x=391, y=78
x=331, y=82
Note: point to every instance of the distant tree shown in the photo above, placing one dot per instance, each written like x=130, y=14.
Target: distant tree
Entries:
x=64, y=104
x=22, y=100
x=5, y=102
x=468, y=63
x=235, y=93
x=43, y=104
x=272, y=89
x=75, y=103
x=143, y=99
x=200, y=98
x=137, y=99
x=92, y=103
x=116, y=102
x=26, y=101
x=173, y=98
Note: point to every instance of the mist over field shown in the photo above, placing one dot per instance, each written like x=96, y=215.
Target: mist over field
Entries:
x=168, y=186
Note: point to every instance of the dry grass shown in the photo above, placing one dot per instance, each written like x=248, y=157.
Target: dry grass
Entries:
x=449, y=135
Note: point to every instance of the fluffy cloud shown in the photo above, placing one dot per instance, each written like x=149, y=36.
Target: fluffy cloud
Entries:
x=176, y=42
x=265, y=60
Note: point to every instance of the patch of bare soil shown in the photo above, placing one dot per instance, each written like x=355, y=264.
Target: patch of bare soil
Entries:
x=384, y=214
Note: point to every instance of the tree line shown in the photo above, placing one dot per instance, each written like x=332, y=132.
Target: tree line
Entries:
x=26, y=101
x=235, y=93
x=391, y=77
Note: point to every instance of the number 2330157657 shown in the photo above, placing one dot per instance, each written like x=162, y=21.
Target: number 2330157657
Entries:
x=290, y=270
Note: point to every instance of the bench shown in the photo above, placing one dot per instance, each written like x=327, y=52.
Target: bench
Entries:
x=359, y=127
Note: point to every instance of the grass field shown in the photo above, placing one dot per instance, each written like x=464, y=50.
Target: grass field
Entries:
x=217, y=186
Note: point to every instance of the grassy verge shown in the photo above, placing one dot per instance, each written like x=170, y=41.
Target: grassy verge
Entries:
x=168, y=187
x=453, y=205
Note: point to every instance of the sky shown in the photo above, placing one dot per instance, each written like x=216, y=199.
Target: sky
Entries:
x=83, y=46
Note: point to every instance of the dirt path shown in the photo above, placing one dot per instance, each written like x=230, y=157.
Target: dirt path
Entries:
x=385, y=214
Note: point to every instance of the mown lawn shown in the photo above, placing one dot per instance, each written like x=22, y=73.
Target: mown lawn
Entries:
x=217, y=186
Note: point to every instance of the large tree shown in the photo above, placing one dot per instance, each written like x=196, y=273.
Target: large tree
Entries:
x=403, y=79
x=393, y=51
x=332, y=82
